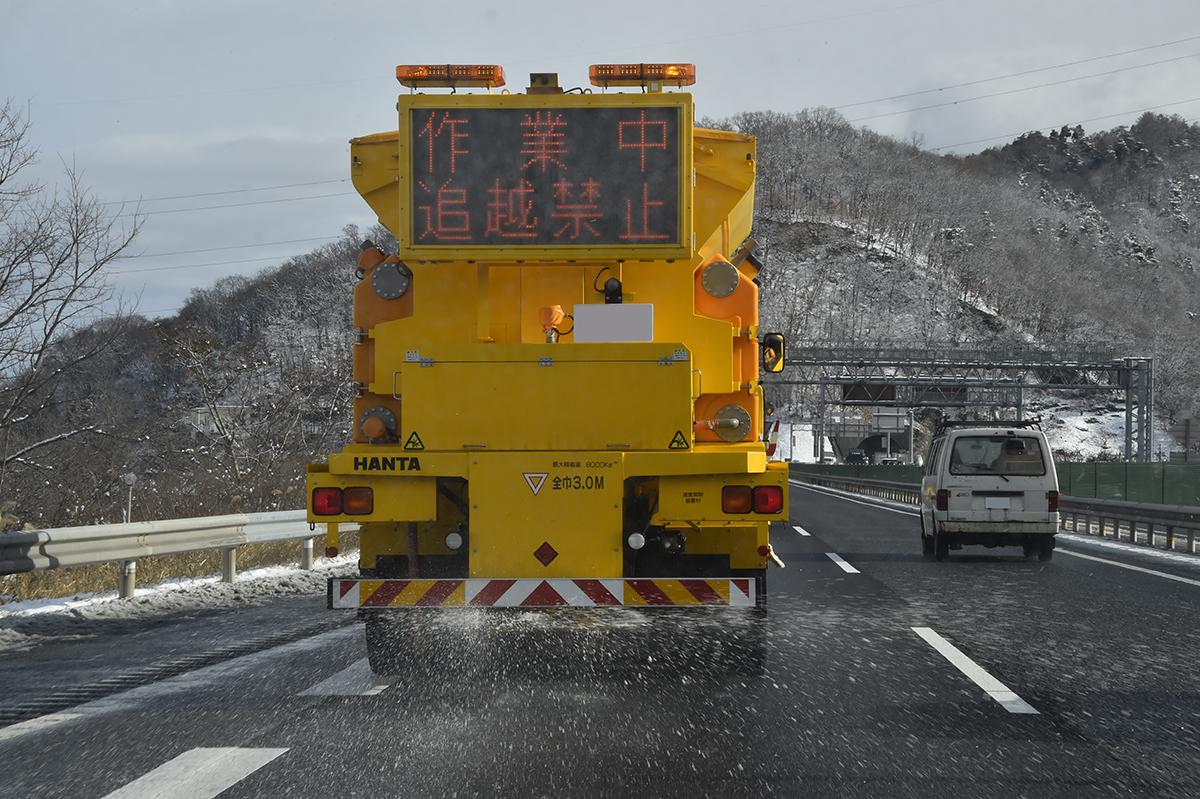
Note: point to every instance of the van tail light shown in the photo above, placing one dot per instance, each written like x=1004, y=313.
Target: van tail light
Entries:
x=1052, y=501
x=943, y=500
x=358, y=501
x=327, y=501
x=768, y=499
x=736, y=499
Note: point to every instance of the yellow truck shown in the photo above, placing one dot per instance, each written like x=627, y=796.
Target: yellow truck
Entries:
x=559, y=400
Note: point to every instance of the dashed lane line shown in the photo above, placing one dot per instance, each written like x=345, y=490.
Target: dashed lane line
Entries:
x=976, y=673
x=357, y=679
x=801, y=530
x=846, y=567
x=127, y=700
x=1131, y=567
x=197, y=774
x=840, y=495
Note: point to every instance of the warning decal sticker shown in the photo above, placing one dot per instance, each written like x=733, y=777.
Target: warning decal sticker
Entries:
x=414, y=442
x=678, y=442
x=535, y=480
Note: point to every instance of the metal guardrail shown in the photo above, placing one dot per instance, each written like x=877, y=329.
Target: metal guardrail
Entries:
x=884, y=489
x=37, y=550
x=1144, y=523
x=1135, y=522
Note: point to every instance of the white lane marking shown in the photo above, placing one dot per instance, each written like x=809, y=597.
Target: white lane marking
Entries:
x=800, y=530
x=357, y=679
x=976, y=673
x=1131, y=567
x=39, y=723
x=256, y=662
x=197, y=774
x=841, y=495
x=1125, y=548
x=846, y=567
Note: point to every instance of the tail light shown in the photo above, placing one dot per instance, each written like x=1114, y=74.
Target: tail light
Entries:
x=1052, y=501
x=327, y=501
x=768, y=499
x=358, y=501
x=943, y=500
x=736, y=499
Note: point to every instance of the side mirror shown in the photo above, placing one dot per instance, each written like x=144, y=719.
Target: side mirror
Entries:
x=773, y=352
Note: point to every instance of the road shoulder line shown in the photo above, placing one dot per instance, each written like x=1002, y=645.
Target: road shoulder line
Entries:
x=833, y=492
x=1131, y=567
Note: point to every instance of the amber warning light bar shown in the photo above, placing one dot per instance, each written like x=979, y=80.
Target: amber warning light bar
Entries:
x=451, y=76
x=606, y=75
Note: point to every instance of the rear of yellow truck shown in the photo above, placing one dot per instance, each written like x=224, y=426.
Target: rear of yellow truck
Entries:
x=559, y=399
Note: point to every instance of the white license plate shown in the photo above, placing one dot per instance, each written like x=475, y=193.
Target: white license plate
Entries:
x=997, y=503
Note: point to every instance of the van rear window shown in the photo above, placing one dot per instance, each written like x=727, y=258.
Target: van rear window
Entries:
x=997, y=455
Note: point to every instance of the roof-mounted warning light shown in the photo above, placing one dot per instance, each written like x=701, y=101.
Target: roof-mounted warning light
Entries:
x=450, y=76
x=645, y=75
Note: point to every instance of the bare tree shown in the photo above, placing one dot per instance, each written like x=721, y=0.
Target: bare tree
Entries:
x=55, y=247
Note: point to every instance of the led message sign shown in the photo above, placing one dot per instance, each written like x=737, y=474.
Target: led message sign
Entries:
x=552, y=178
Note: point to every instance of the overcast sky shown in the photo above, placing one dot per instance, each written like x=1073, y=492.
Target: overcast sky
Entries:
x=156, y=99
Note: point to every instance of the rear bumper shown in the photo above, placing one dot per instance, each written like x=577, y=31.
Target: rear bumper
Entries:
x=1014, y=529
x=353, y=593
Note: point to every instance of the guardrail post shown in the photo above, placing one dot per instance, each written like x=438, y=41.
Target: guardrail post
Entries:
x=228, y=564
x=126, y=578
x=1191, y=541
x=306, y=554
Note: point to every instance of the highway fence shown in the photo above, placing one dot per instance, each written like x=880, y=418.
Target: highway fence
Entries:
x=1160, y=525
x=1159, y=483
x=63, y=547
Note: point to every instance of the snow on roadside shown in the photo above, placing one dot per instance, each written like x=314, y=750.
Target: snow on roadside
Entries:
x=1182, y=558
x=27, y=623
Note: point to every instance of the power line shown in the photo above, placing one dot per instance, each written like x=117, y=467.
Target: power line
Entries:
x=227, y=191
x=1024, y=88
x=182, y=95
x=229, y=247
x=1017, y=74
x=198, y=266
x=1079, y=121
x=241, y=205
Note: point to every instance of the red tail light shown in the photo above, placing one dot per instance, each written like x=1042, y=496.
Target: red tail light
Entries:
x=358, y=501
x=768, y=499
x=1052, y=501
x=736, y=499
x=327, y=501
x=943, y=500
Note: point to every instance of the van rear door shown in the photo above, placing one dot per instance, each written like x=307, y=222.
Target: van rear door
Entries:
x=999, y=477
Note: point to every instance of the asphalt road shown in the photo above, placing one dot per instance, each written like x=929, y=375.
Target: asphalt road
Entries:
x=888, y=674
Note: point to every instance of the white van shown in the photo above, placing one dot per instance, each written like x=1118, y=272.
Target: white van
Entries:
x=989, y=483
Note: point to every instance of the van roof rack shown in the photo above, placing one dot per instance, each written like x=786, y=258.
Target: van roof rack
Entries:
x=1034, y=423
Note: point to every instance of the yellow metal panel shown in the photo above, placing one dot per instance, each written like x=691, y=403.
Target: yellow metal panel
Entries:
x=568, y=500
x=401, y=223
x=750, y=457
x=582, y=396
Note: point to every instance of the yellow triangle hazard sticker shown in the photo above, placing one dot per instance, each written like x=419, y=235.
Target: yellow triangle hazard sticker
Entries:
x=678, y=442
x=414, y=442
